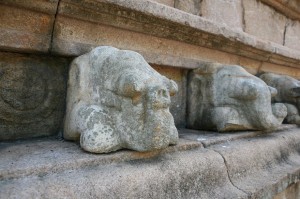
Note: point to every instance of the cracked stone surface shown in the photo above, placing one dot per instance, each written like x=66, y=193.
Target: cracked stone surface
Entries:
x=243, y=165
x=116, y=100
x=228, y=98
x=288, y=93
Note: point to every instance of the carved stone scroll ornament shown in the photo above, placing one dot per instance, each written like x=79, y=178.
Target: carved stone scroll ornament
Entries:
x=116, y=100
x=228, y=98
x=288, y=93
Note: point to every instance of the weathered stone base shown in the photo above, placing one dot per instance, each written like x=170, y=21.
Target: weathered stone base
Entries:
x=202, y=165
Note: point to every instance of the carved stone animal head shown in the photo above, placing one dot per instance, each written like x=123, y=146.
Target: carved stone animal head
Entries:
x=288, y=88
x=288, y=93
x=116, y=100
x=228, y=98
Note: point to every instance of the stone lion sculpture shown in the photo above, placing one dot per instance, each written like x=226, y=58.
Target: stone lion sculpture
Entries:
x=116, y=100
x=288, y=93
x=228, y=98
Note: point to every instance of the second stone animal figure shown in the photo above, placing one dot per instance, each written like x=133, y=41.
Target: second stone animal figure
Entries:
x=228, y=98
x=288, y=93
x=116, y=100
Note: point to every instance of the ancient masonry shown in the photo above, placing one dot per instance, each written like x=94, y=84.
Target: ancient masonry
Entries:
x=150, y=99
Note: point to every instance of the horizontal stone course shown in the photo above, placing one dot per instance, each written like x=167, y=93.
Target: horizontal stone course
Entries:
x=27, y=26
x=149, y=19
x=32, y=90
x=224, y=12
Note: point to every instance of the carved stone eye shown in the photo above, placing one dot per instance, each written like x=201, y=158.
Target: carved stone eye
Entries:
x=295, y=92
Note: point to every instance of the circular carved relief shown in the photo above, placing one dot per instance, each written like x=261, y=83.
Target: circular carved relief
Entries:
x=29, y=92
x=23, y=92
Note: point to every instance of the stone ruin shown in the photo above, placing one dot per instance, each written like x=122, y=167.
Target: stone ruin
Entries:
x=228, y=98
x=288, y=93
x=116, y=100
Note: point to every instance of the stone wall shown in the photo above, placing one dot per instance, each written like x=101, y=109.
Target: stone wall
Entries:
x=276, y=21
x=39, y=38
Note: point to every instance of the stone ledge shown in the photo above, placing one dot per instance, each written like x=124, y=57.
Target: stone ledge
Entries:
x=158, y=20
x=178, y=38
x=206, y=164
x=56, y=155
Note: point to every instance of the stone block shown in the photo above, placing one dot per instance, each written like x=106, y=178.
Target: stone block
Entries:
x=116, y=100
x=290, y=8
x=32, y=95
x=178, y=101
x=226, y=12
x=166, y=2
x=292, y=35
x=176, y=38
x=288, y=90
x=190, y=6
x=227, y=98
x=263, y=21
x=26, y=27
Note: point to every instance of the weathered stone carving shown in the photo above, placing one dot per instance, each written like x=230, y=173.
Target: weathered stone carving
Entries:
x=227, y=98
x=116, y=100
x=288, y=93
x=32, y=94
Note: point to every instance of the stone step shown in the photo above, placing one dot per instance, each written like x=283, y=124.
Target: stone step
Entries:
x=202, y=165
